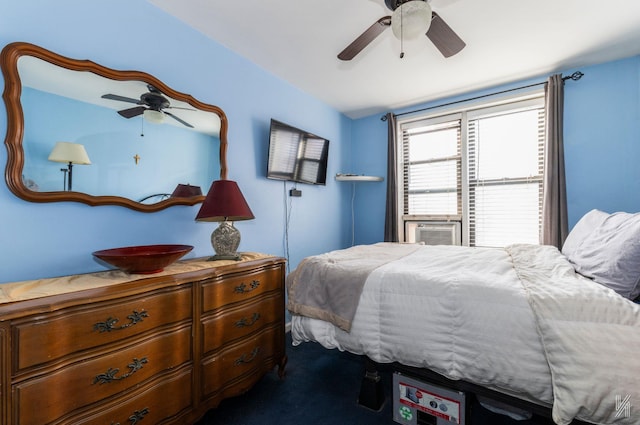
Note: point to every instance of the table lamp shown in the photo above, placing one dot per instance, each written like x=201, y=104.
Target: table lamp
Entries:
x=224, y=203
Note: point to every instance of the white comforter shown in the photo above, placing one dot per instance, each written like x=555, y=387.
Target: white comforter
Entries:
x=517, y=320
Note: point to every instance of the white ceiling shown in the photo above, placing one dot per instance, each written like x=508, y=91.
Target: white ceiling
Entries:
x=507, y=40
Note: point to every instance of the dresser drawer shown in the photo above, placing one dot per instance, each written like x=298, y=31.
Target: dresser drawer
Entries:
x=94, y=379
x=256, y=353
x=231, y=289
x=233, y=323
x=150, y=406
x=45, y=338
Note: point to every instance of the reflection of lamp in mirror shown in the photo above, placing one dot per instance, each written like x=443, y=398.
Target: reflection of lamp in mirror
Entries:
x=224, y=203
x=186, y=191
x=151, y=115
x=69, y=153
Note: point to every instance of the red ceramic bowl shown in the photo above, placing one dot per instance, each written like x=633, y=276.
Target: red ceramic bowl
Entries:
x=144, y=259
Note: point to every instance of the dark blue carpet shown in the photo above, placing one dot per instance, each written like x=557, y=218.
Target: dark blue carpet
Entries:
x=321, y=387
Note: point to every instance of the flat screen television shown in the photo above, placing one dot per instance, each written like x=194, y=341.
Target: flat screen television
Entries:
x=296, y=155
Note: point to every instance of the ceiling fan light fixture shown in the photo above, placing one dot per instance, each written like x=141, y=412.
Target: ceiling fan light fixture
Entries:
x=411, y=19
x=156, y=117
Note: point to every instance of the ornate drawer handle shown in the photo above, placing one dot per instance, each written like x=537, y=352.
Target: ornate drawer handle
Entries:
x=243, y=359
x=110, y=374
x=138, y=415
x=244, y=322
x=110, y=324
x=242, y=288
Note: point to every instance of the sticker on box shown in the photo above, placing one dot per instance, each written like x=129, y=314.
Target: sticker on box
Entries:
x=435, y=405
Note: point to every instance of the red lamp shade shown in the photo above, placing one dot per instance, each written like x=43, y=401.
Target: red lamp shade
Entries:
x=186, y=191
x=223, y=202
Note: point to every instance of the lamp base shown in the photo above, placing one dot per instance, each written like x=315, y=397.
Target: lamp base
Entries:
x=225, y=241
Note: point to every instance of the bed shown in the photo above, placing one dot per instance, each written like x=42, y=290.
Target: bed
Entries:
x=553, y=328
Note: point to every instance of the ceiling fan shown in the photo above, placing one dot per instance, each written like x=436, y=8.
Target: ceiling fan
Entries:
x=153, y=106
x=409, y=19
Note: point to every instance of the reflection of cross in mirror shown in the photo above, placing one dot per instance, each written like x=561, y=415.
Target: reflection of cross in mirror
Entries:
x=137, y=158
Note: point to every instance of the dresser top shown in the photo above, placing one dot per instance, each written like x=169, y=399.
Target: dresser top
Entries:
x=31, y=289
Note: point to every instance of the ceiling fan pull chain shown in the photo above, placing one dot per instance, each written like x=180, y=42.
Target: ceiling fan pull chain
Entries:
x=401, y=35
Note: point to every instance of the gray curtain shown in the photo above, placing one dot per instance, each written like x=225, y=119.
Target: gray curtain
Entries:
x=555, y=225
x=391, y=214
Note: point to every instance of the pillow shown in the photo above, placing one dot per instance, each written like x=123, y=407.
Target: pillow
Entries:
x=610, y=254
x=581, y=230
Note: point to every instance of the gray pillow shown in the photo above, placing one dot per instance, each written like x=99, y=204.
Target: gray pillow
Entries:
x=581, y=230
x=610, y=254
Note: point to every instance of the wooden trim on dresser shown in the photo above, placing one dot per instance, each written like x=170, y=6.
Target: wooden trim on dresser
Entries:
x=196, y=334
x=5, y=373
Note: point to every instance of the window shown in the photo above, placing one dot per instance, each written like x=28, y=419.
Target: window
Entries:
x=432, y=160
x=482, y=167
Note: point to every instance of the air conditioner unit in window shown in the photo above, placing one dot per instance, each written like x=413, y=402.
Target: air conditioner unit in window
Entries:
x=434, y=232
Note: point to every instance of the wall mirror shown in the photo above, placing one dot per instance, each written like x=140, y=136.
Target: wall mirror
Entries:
x=78, y=131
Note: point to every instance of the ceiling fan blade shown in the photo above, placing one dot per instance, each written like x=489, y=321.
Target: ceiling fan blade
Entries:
x=132, y=112
x=178, y=119
x=443, y=37
x=120, y=98
x=365, y=38
x=179, y=107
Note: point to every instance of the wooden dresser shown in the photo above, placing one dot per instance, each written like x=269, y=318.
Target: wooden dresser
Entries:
x=110, y=348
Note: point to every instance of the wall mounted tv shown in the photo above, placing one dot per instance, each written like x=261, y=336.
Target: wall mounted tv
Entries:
x=296, y=155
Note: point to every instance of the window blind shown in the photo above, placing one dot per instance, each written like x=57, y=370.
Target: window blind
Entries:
x=506, y=159
x=284, y=153
x=432, y=169
x=312, y=150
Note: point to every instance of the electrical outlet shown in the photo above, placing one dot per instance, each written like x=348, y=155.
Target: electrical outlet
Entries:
x=295, y=192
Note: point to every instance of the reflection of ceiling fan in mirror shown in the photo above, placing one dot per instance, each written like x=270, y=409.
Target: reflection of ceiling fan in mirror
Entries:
x=153, y=106
x=410, y=18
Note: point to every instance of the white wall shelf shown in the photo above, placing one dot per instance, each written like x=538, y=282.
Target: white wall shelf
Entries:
x=357, y=178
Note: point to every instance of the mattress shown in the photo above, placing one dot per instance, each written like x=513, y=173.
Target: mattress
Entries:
x=518, y=320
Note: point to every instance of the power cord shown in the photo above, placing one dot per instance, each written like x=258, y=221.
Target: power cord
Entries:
x=287, y=219
x=353, y=213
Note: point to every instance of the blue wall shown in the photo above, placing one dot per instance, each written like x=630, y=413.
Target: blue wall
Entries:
x=601, y=136
x=51, y=239
x=602, y=139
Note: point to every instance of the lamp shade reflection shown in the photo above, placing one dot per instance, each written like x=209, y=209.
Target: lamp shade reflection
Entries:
x=69, y=153
x=186, y=191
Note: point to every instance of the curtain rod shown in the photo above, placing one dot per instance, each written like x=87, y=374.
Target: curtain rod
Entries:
x=575, y=77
